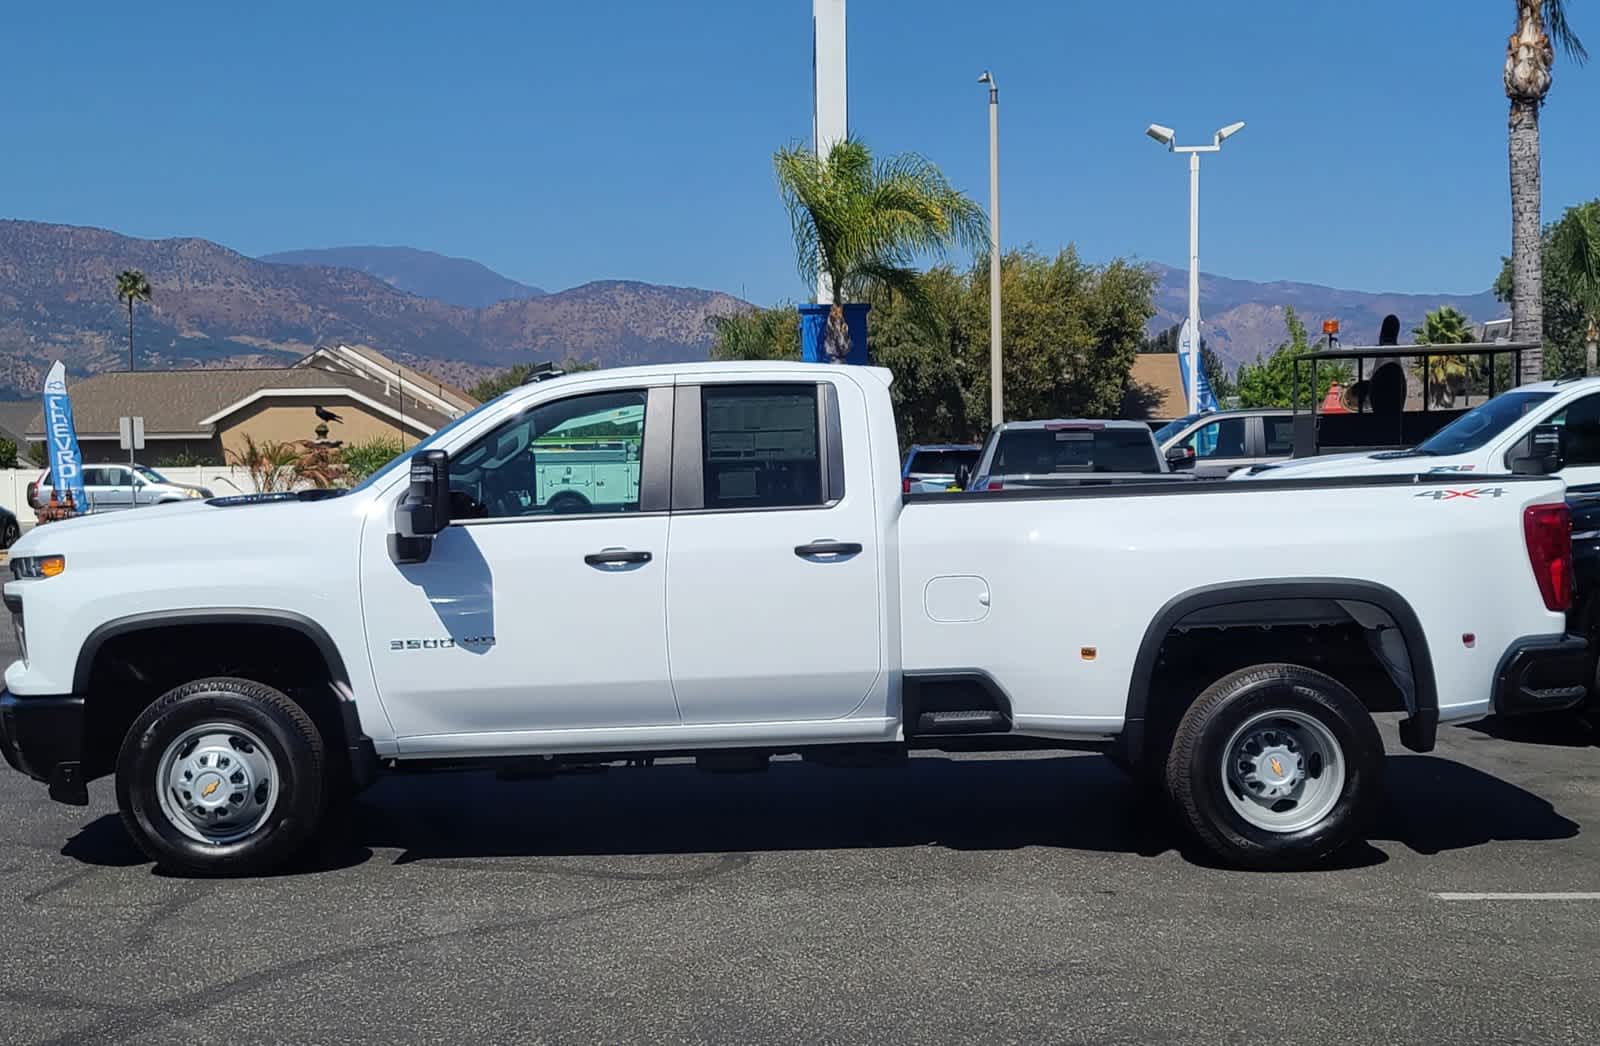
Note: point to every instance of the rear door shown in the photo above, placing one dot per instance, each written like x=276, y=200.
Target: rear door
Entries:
x=774, y=607
x=109, y=487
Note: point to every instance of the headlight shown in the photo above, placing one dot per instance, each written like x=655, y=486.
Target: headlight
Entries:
x=24, y=567
x=193, y=493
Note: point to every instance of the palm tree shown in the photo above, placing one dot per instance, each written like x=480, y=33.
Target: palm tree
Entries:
x=1444, y=326
x=859, y=226
x=132, y=287
x=1575, y=252
x=1529, y=58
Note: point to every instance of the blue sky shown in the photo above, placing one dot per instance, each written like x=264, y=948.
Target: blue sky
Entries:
x=560, y=142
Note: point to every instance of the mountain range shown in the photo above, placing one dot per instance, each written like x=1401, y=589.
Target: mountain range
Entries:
x=1243, y=319
x=214, y=307
x=456, y=281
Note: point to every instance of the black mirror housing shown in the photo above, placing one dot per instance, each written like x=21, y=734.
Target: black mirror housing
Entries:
x=1180, y=458
x=424, y=510
x=1542, y=453
x=963, y=476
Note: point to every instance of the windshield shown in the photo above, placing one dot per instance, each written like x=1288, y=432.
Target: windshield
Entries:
x=1034, y=452
x=1172, y=428
x=1482, y=423
x=151, y=474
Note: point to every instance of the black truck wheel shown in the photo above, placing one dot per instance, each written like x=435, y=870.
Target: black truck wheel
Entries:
x=221, y=777
x=1276, y=767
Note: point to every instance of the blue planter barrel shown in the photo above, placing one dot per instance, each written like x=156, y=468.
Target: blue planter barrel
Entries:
x=814, y=327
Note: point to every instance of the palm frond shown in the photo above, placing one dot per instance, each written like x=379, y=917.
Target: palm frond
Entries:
x=1561, y=31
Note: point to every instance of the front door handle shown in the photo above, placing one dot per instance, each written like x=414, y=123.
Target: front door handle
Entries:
x=828, y=548
x=610, y=556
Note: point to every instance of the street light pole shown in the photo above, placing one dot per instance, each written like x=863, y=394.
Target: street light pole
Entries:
x=1168, y=137
x=996, y=390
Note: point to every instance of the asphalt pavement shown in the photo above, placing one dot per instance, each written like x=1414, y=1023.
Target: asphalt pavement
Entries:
x=1028, y=899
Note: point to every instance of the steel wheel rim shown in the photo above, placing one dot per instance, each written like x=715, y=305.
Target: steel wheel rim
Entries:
x=218, y=783
x=1283, y=771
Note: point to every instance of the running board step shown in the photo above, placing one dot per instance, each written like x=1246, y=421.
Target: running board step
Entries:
x=971, y=721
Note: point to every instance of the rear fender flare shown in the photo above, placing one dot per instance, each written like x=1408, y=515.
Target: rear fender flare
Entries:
x=1416, y=731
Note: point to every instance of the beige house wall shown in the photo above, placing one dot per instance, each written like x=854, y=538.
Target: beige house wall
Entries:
x=284, y=419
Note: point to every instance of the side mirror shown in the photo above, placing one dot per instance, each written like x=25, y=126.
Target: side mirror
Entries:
x=424, y=510
x=1542, y=453
x=963, y=476
x=1180, y=458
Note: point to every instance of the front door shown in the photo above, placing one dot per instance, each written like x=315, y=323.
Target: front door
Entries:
x=1581, y=421
x=774, y=602
x=540, y=606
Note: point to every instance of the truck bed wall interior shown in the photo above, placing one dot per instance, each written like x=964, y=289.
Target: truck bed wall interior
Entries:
x=1068, y=583
x=127, y=663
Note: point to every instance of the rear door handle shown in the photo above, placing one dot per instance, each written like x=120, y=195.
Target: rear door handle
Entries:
x=828, y=548
x=610, y=556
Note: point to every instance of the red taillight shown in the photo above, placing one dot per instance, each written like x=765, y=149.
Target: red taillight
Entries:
x=1548, y=530
x=905, y=484
x=995, y=484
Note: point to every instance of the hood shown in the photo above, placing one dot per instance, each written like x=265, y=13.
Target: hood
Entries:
x=1386, y=463
x=171, y=530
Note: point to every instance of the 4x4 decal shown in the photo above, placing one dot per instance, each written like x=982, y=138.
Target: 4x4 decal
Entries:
x=1473, y=493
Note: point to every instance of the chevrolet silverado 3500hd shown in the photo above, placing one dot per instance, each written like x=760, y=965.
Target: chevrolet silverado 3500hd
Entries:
x=756, y=583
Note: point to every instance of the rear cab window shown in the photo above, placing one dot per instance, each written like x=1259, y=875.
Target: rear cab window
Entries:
x=1069, y=449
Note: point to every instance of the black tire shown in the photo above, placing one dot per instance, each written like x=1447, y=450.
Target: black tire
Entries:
x=10, y=532
x=293, y=743
x=569, y=501
x=1195, y=778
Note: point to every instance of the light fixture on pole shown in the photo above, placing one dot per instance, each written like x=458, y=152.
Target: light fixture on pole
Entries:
x=1168, y=137
x=996, y=392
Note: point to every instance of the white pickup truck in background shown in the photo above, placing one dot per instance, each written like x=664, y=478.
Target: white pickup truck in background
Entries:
x=757, y=584
x=1497, y=436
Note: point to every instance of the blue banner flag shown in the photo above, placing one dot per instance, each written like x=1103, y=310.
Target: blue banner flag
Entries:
x=1208, y=401
x=61, y=438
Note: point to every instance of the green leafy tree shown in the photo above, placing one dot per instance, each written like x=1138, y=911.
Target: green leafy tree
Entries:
x=8, y=453
x=38, y=454
x=1568, y=292
x=1530, y=57
x=131, y=287
x=1270, y=382
x=860, y=225
x=1070, y=331
x=757, y=334
x=506, y=380
x=1445, y=375
x=363, y=459
x=926, y=345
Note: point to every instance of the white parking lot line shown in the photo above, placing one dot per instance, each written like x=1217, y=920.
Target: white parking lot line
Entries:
x=1517, y=896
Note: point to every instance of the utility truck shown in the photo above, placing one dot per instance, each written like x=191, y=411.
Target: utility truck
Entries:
x=758, y=585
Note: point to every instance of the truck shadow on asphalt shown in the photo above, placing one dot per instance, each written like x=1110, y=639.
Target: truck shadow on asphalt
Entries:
x=1069, y=802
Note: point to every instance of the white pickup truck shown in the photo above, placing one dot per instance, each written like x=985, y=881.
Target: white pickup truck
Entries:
x=1496, y=436
x=243, y=665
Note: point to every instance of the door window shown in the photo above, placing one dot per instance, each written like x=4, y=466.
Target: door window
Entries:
x=1280, y=435
x=579, y=455
x=1223, y=438
x=99, y=477
x=1582, y=423
x=760, y=446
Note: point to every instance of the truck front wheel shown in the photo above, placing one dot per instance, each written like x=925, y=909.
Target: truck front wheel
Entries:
x=1276, y=767
x=221, y=777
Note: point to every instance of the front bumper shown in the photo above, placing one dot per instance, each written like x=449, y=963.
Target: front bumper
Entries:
x=43, y=738
x=1542, y=674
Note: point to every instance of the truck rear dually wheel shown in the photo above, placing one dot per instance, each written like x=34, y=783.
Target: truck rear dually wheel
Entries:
x=1275, y=767
x=221, y=776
